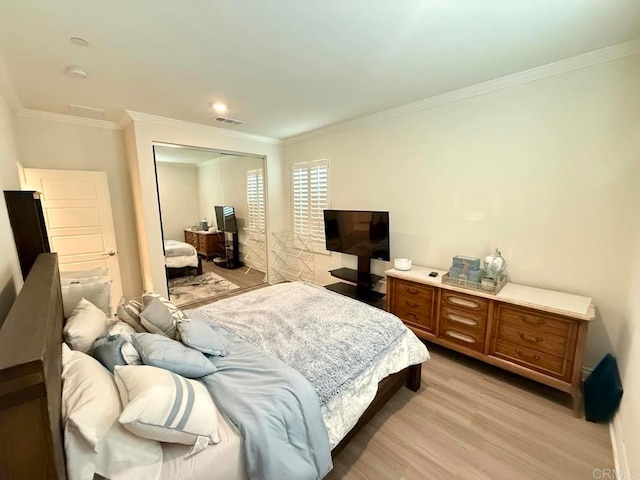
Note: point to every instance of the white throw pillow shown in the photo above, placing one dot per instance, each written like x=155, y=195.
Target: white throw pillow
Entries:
x=163, y=406
x=90, y=400
x=94, y=440
x=97, y=290
x=94, y=272
x=86, y=323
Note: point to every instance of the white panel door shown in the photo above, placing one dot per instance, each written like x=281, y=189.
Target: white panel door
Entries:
x=77, y=211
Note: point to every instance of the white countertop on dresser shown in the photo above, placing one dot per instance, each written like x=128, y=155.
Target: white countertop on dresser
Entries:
x=574, y=306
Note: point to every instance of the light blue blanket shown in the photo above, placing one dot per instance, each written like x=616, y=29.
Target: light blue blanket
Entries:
x=328, y=338
x=276, y=410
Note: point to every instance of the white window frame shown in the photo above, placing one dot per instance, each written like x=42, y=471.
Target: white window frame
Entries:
x=307, y=217
x=256, y=200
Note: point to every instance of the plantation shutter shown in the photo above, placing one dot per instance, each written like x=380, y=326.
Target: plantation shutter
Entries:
x=310, y=198
x=255, y=199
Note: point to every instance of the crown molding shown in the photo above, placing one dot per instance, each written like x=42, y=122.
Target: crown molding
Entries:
x=69, y=119
x=574, y=63
x=198, y=127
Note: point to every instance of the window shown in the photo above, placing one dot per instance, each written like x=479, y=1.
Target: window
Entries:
x=255, y=199
x=310, y=189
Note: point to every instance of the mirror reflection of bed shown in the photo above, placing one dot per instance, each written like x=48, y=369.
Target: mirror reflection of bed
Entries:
x=212, y=206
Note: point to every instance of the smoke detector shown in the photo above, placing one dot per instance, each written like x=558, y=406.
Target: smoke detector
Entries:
x=231, y=121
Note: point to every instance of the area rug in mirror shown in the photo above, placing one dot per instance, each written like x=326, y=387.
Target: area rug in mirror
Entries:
x=195, y=288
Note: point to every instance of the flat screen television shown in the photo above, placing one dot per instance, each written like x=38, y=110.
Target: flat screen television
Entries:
x=226, y=219
x=361, y=233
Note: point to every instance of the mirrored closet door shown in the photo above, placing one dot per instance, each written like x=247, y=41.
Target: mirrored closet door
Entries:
x=213, y=215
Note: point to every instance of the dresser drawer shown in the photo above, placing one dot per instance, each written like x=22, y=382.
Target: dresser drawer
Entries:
x=414, y=304
x=527, y=357
x=413, y=292
x=461, y=301
x=463, y=318
x=418, y=318
x=202, y=243
x=468, y=338
x=191, y=238
x=534, y=339
x=539, y=321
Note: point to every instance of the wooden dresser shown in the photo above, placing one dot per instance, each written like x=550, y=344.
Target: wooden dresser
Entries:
x=208, y=244
x=539, y=334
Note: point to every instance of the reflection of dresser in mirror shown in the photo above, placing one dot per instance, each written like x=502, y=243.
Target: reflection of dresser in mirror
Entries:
x=222, y=247
x=207, y=244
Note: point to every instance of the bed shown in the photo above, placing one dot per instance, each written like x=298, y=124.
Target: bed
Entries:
x=30, y=384
x=181, y=258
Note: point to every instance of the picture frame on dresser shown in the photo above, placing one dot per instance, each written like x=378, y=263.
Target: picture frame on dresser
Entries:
x=536, y=333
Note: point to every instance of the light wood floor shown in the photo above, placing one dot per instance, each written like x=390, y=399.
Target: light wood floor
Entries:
x=244, y=277
x=473, y=421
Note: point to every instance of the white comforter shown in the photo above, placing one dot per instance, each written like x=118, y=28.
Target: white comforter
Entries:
x=174, y=254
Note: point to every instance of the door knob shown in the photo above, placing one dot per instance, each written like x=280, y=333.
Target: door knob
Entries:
x=110, y=253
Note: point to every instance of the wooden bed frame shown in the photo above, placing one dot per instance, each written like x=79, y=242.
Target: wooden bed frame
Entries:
x=31, y=441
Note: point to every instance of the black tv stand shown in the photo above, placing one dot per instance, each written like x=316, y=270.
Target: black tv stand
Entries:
x=231, y=258
x=361, y=283
x=364, y=295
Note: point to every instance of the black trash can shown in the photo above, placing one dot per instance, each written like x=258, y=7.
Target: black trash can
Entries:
x=603, y=391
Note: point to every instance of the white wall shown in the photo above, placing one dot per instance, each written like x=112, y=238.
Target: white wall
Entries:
x=627, y=350
x=179, y=198
x=546, y=170
x=211, y=189
x=10, y=276
x=140, y=135
x=45, y=143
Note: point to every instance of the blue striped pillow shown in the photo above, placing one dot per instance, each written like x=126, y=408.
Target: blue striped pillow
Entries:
x=166, y=407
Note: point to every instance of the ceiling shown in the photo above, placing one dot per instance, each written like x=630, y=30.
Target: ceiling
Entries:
x=286, y=67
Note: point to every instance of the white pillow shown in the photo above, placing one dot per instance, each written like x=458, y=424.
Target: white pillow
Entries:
x=94, y=272
x=86, y=323
x=97, y=291
x=163, y=406
x=90, y=400
x=94, y=440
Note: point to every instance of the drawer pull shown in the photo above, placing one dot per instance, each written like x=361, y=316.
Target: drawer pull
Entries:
x=460, y=336
x=463, y=302
x=412, y=315
x=411, y=304
x=520, y=354
x=539, y=321
x=412, y=291
x=530, y=339
x=461, y=319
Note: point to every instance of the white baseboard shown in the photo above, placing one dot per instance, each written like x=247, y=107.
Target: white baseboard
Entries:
x=586, y=371
x=617, y=442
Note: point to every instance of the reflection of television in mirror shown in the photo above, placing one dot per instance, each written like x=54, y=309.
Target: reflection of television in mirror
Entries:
x=226, y=219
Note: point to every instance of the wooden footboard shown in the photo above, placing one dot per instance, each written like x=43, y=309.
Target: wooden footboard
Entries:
x=410, y=377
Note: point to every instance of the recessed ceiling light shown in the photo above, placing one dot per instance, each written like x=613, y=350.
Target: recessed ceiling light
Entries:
x=80, y=42
x=76, y=72
x=220, y=107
